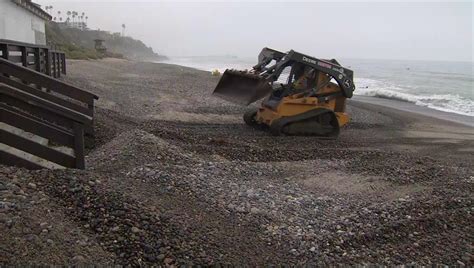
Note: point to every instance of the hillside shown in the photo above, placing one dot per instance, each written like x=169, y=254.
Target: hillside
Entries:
x=78, y=44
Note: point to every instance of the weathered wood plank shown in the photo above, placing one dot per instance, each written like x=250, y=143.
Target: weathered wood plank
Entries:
x=15, y=58
x=44, y=104
x=36, y=126
x=12, y=160
x=37, y=149
x=46, y=96
x=41, y=79
x=47, y=115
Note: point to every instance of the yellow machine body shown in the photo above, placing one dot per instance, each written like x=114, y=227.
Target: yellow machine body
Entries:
x=303, y=96
x=298, y=104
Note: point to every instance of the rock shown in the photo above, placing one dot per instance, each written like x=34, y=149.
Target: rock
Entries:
x=6, y=206
x=32, y=185
x=82, y=242
x=9, y=223
x=3, y=187
x=78, y=259
x=313, y=249
x=150, y=257
x=50, y=241
x=135, y=230
x=467, y=257
x=168, y=261
x=240, y=209
x=254, y=210
x=4, y=218
x=31, y=237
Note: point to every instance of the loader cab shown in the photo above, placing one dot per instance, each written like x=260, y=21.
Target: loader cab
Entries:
x=294, y=79
x=299, y=78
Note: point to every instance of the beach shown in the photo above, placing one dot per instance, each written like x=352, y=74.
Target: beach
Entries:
x=174, y=176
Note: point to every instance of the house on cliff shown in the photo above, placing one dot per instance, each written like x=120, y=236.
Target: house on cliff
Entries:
x=23, y=21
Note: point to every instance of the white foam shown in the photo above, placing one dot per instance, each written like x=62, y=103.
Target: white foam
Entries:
x=452, y=103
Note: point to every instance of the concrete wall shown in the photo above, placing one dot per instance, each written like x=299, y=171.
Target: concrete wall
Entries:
x=18, y=24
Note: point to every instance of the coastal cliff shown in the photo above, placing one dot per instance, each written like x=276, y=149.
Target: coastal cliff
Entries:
x=79, y=44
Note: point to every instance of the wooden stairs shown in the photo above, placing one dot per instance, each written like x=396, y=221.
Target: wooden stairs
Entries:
x=42, y=120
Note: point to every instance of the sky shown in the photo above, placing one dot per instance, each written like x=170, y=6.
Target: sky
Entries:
x=362, y=30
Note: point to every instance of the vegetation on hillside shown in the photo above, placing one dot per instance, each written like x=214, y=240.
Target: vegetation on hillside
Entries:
x=79, y=44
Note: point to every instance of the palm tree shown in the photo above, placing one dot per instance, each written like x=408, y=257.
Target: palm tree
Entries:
x=86, y=19
x=61, y=19
x=68, y=14
x=123, y=29
x=81, y=25
x=82, y=19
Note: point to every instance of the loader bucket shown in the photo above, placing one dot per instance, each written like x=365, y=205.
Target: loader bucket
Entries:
x=241, y=87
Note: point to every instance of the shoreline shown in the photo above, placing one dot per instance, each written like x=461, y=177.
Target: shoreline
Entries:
x=393, y=103
x=417, y=109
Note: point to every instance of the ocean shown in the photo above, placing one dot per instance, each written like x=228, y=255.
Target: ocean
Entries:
x=444, y=86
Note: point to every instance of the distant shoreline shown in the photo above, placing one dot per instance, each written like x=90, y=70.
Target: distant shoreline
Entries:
x=392, y=103
x=417, y=109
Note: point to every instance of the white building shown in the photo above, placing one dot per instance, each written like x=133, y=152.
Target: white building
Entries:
x=23, y=21
x=76, y=24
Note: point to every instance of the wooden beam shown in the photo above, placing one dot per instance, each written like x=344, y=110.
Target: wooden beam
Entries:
x=37, y=149
x=79, y=145
x=36, y=126
x=47, y=96
x=47, y=82
x=44, y=104
x=13, y=160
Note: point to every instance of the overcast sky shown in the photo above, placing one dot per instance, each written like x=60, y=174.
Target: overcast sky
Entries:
x=380, y=30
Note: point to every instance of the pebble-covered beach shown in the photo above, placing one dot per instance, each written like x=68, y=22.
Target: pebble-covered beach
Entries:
x=174, y=176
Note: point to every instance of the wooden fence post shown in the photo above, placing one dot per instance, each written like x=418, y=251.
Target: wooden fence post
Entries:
x=24, y=57
x=37, y=59
x=79, y=145
x=47, y=56
x=63, y=59
x=5, y=52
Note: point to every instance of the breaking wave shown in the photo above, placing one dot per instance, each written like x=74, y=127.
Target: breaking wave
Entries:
x=451, y=103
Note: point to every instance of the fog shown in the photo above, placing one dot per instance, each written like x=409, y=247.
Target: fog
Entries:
x=420, y=31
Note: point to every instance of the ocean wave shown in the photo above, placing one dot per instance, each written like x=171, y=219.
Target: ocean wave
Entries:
x=452, y=103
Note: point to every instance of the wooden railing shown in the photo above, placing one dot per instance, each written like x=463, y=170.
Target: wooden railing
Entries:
x=48, y=108
x=42, y=59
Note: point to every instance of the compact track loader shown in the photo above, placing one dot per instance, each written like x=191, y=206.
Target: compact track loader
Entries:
x=303, y=95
